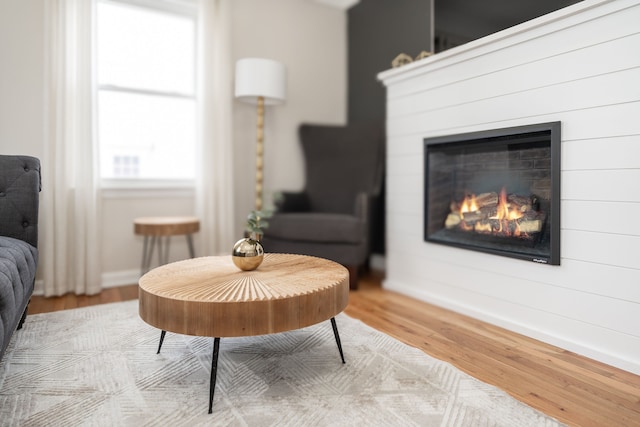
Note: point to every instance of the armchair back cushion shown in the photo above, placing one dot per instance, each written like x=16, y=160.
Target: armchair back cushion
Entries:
x=340, y=162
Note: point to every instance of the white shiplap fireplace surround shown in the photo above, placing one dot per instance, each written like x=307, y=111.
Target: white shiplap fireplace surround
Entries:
x=580, y=66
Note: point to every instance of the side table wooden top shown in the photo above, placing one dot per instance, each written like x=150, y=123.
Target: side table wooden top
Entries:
x=166, y=225
x=210, y=296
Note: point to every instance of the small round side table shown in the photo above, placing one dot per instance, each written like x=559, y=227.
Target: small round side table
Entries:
x=157, y=231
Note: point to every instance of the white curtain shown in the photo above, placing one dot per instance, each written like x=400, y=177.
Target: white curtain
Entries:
x=70, y=209
x=214, y=195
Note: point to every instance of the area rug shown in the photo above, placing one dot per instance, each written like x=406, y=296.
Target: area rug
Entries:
x=98, y=366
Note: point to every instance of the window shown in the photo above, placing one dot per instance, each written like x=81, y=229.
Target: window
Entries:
x=146, y=90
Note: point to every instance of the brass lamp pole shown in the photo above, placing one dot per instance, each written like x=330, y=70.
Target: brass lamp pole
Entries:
x=260, y=81
x=259, y=152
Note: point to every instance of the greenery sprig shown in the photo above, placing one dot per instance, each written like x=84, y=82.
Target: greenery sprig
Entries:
x=256, y=221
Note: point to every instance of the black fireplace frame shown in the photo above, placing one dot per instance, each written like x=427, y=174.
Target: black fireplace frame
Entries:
x=499, y=137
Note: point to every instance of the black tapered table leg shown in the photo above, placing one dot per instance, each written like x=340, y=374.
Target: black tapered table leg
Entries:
x=335, y=333
x=214, y=371
x=162, y=334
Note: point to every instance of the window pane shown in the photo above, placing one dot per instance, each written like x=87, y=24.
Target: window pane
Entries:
x=145, y=49
x=144, y=136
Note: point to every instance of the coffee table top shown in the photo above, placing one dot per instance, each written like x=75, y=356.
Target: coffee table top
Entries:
x=210, y=296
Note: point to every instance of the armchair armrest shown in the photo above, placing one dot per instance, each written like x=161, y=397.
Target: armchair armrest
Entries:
x=293, y=202
x=363, y=204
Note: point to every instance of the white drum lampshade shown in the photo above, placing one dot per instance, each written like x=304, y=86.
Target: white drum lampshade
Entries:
x=257, y=77
x=262, y=82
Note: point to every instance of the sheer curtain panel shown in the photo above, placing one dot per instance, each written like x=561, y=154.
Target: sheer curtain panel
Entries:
x=214, y=201
x=71, y=203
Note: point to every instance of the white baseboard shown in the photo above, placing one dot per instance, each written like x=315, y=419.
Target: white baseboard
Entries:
x=378, y=262
x=113, y=279
x=109, y=280
x=38, y=287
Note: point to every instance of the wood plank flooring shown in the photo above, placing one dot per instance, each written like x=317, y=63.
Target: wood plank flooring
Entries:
x=575, y=390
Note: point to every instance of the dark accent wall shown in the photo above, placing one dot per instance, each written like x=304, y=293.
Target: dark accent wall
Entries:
x=457, y=22
x=378, y=31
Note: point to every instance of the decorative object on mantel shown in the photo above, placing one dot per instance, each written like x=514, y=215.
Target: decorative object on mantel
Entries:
x=404, y=59
x=248, y=252
x=423, y=54
x=400, y=60
x=263, y=82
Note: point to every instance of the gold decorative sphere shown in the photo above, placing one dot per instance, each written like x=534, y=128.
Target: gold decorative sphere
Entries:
x=247, y=254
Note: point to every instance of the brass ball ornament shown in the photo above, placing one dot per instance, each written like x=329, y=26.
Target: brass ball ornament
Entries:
x=247, y=254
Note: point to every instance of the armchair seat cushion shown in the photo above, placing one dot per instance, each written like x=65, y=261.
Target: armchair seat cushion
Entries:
x=316, y=227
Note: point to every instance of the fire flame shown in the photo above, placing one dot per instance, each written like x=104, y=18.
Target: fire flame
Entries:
x=469, y=204
x=504, y=215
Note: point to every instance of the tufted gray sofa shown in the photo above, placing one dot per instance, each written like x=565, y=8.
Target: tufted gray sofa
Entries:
x=19, y=202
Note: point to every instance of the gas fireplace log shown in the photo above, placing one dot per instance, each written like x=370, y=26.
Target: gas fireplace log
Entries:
x=488, y=211
x=496, y=226
x=453, y=219
x=534, y=226
x=487, y=199
x=521, y=203
x=472, y=217
x=532, y=215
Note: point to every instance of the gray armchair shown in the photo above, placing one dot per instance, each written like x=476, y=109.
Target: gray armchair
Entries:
x=332, y=217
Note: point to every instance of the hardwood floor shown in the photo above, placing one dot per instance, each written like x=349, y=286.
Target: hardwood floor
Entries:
x=575, y=390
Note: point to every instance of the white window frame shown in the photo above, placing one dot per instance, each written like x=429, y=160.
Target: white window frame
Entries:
x=123, y=187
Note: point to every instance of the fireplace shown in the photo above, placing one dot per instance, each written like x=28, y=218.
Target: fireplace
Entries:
x=496, y=191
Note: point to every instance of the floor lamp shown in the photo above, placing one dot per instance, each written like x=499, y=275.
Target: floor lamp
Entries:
x=260, y=81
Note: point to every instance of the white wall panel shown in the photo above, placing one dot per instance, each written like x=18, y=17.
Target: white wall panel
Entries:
x=602, y=185
x=580, y=66
x=602, y=217
x=621, y=152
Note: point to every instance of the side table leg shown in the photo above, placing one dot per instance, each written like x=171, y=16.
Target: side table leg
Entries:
x=162, y=334
x=192, y=252
x=167, y=242
x=214, y=371
x=147, y=253
x=335, y=333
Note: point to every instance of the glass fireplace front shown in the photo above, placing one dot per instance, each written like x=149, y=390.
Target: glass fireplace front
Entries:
x=496, y=191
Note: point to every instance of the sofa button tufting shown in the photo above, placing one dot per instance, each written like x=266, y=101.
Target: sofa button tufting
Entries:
x=25, y=224
x=2, y=194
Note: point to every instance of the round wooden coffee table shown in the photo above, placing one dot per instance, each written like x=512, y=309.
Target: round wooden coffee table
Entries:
x=210, y=296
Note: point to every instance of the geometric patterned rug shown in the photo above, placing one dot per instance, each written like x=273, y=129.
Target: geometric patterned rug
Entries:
x=98, y=366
